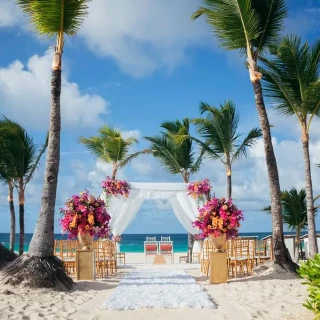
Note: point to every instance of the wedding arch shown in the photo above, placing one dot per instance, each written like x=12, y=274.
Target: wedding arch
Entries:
x=124, y=209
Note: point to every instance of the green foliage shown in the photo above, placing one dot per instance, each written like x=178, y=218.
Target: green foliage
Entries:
x=111, y=147
x=291, y=78
x=50, y=17
x=220, y=133
x=310, y=272
x=244, y=24
x=20, y=155
x=176, y=156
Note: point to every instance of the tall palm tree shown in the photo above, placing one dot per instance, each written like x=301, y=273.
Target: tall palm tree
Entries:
x=7, y=173
x=250, y=26
x=292, y=82
x=111, y=147
x=294, y=211
x=40, y=267
x=22, y=159
x=221, y=137
x=176, y=157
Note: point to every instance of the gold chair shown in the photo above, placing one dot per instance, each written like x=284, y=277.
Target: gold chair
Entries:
x=239, y=259
x=205, y=257
x=68, y=250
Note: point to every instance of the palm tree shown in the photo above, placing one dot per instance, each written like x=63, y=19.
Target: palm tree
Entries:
x=250, y=26
x=22, y=159
x=292, y=82
x=176, y=157
x=112, y=147
x=221, y=138
x=6, y=256
x=6, y=173
x=40, y=267
x=294, y=211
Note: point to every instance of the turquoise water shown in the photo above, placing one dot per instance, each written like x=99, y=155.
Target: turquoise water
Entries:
x=130, y=242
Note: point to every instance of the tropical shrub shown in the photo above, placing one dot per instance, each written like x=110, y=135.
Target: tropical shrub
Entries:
x=310, y=272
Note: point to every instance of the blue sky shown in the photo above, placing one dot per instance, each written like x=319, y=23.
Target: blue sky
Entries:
x=133, y=65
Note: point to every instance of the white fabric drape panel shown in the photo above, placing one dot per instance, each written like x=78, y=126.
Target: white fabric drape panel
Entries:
x=123, y=210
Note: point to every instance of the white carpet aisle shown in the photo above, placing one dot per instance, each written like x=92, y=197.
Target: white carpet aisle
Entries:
x=171, y=289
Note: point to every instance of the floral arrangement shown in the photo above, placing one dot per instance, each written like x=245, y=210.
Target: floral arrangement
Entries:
x=198, y=237
x=116, y=238
x=218, y=217
x=199, y=189
x=115, y=187
x=84, y=214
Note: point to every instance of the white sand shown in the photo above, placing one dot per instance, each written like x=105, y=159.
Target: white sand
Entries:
x=249, y=298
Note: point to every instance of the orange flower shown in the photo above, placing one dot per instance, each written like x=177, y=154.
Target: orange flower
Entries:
x=87, y=227
x=91, y=218
x=209, y=227
x=73, y=222
x=225, y=207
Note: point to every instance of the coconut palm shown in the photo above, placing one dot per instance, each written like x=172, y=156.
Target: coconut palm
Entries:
x=111, y=147
x=294, y=211
x=40, y=267
x=251, y=26
x=292, y=82
x=176, y=157
x=221, y=137
x=6, y=174
x=21, y=160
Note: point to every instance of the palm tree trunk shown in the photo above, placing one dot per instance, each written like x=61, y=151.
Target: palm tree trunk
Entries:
x=12, y=216
x=281, y=255
x=190, y=236
x=114, y=172
x=229, y=182
x=21, y=216
x=296, y=247
x=312, y=237
x=43, y=238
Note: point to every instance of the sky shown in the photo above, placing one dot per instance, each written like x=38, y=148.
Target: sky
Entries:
x=133, y=65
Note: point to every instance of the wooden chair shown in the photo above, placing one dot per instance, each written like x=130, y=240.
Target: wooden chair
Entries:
x=205, y=257
x=68, y=250
x=263, y=251
x=106, y=258
x=57, y=248
x=239, y=259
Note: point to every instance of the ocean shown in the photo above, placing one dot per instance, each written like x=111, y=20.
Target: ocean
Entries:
x=131, y=242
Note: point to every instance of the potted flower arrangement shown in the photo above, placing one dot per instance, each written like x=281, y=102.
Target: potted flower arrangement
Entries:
x=219, y=219
x=85, y=216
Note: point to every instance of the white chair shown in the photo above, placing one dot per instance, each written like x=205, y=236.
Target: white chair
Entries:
x=165, y=238
x=150, y=238
x=151, y=248
x=166, y=249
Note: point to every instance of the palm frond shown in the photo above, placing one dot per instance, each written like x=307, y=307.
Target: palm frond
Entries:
x=132, y=156
x=50, y=17
x=249, y=141
x=234, y=22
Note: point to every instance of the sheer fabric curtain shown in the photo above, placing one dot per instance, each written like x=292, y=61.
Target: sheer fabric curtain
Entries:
x=123, y=210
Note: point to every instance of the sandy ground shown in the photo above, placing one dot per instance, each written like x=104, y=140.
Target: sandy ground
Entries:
x=264, y=297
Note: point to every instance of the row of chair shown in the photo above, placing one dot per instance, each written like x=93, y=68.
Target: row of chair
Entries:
x=105, y=256
x=242, y=255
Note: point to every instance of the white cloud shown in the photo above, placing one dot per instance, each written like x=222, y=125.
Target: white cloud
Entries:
x=25, y=96
x=142, y=35
x=9, y=15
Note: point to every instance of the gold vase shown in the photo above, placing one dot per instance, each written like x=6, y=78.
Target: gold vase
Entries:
x=86, y=240
x=219, y=243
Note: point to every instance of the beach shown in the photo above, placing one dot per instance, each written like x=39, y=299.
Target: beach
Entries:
x=272, y=297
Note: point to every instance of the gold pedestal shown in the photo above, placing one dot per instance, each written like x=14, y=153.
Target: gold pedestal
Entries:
x=159, y=259
x=218, y=267
x=85, y=265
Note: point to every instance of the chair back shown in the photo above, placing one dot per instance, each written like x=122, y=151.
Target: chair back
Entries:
x=165, y=238
x=150, y=238
x=68, y=249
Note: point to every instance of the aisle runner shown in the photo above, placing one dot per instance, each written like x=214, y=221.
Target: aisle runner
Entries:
x=158, y=289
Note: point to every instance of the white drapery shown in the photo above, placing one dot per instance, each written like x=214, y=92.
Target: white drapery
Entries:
x=123, y=210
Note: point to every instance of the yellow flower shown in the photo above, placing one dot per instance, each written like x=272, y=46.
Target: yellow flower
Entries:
x=91, y=218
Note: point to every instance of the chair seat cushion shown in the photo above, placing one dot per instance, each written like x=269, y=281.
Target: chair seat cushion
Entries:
x=151, y=247
x=165, y=247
